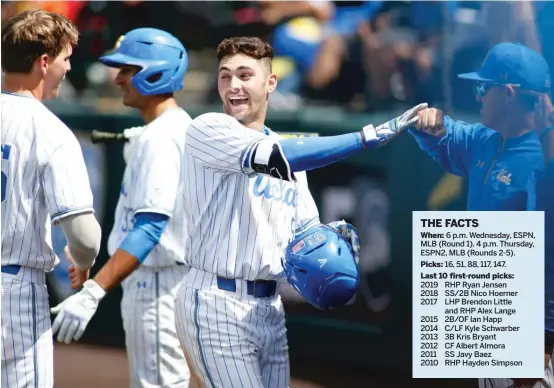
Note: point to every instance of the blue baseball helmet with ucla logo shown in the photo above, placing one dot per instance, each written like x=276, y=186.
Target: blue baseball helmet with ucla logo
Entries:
x=161, y=57
x=321, y=266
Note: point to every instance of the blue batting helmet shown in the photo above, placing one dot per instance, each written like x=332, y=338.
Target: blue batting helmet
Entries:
x=162, y=59
x=321, y=266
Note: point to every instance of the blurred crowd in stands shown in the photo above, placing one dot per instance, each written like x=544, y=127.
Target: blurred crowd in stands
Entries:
x=361, y=55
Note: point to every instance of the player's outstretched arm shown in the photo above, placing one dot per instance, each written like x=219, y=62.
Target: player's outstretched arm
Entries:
x=74, y=313
x=293, y=155
x=220, y=142
x=447, y=141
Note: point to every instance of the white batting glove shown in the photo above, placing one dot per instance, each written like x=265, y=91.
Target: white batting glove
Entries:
x=376, y=137
x=75, y=312
x=131, y=134
x=350, y=234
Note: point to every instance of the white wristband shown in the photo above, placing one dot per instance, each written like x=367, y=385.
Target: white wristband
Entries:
x=94, y=289
x=370, y=133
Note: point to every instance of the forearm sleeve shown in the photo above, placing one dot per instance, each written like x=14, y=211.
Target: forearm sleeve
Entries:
x=310, y=153
x=83, y=234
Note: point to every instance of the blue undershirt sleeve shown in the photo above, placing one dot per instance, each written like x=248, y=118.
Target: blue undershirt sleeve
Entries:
x=145, y=235
x=304, y=154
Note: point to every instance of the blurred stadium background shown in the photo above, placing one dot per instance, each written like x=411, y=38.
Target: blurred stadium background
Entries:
x=340, y=65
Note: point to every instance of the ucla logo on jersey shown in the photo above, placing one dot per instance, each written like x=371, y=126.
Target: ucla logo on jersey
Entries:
x=276, y=190
x=504, y=177
x=6, y=150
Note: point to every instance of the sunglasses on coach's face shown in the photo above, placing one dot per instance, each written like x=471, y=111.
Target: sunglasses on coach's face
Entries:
x=483, y=87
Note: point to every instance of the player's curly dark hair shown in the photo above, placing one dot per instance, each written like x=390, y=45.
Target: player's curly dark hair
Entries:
x=247, y=45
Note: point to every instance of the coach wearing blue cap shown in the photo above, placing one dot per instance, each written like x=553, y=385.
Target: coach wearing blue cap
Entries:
x=499, y=156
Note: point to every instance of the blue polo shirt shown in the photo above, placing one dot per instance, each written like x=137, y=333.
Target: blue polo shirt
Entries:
x=497, y=169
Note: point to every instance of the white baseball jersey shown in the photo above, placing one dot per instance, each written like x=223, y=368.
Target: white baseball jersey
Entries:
x=153, y=182
x=239, y=224
x=44, y=178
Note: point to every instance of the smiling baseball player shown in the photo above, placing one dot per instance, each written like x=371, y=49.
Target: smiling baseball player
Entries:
x=147, y=240
x=246, y=198
x=44, y=181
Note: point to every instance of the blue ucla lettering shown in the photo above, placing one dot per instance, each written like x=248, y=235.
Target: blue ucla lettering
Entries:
x=6, y=149
x=274, y=189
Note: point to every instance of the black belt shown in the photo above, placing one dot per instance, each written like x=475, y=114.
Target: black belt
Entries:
x=256, y=288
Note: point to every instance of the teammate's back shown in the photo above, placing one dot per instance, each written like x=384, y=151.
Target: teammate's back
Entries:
x=40, y=174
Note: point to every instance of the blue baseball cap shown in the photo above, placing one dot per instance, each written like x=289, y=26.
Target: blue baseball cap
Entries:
x=514, y=64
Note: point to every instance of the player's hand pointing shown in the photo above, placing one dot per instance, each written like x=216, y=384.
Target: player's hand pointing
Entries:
x=431, y=121
x=75, y=312
x=377, y=136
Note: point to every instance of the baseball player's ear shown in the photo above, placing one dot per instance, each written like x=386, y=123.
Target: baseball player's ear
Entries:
x=272, y=83
x=509, y=94
x=510, y=91
x=42, y=63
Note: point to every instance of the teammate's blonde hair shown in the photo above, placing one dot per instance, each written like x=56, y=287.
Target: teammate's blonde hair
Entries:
x=30, y=34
